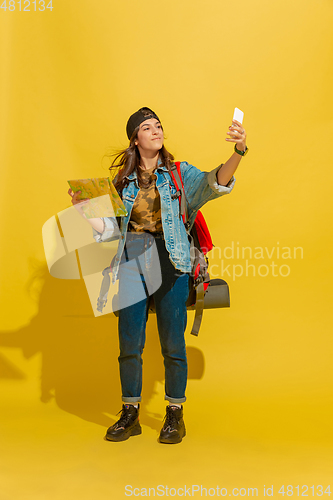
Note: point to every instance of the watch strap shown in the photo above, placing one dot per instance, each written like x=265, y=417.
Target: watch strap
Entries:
x=242, y=153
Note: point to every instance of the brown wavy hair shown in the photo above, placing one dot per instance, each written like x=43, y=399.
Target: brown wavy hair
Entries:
x=128, y=161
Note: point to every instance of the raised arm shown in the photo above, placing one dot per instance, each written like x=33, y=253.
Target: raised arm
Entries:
x=238, y=136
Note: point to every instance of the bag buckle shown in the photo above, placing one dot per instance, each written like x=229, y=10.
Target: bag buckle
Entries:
x=176, y=195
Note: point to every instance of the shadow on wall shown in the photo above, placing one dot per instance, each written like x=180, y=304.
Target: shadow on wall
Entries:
x=80, y=353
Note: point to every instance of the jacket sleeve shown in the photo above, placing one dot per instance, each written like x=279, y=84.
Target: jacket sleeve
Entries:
x=201, y=187
x=111, y=230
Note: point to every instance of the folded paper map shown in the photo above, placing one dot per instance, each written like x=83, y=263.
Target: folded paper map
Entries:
x=104, y=201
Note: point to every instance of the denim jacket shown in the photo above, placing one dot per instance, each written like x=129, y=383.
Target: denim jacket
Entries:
x=199, y=187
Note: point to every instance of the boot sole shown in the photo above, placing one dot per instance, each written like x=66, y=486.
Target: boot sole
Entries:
x=122, y=437
x=172, y=441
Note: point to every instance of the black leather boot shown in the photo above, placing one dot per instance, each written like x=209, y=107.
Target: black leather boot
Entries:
x=173, y=429
x=128, y=424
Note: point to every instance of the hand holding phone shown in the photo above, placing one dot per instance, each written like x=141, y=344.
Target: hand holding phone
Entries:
x=236, y=131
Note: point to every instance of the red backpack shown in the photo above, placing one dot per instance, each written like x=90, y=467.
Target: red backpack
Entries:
x=201, y=244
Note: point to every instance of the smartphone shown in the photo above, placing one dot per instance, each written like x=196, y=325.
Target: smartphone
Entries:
x=238, y=115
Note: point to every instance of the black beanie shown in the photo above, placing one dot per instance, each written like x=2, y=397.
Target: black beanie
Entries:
x=137, y=118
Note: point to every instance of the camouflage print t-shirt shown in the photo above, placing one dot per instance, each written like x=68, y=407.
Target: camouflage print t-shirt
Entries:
x=146, y=212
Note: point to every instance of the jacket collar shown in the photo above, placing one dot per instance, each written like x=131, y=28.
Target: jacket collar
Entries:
x=133, y=175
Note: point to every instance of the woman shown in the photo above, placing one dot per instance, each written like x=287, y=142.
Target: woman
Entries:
x=153, y=221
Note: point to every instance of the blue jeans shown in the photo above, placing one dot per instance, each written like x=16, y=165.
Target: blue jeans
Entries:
x=170, y=305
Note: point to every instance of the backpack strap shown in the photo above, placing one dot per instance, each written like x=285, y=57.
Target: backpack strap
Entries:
x=199, y=307
x=105, y=286
x=178, y=182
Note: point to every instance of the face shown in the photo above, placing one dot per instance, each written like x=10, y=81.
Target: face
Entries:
x=150, y=136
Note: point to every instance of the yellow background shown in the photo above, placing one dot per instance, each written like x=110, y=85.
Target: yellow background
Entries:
x=259, y=409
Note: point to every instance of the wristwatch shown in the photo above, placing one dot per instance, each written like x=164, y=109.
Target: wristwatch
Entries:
x=242, y=153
